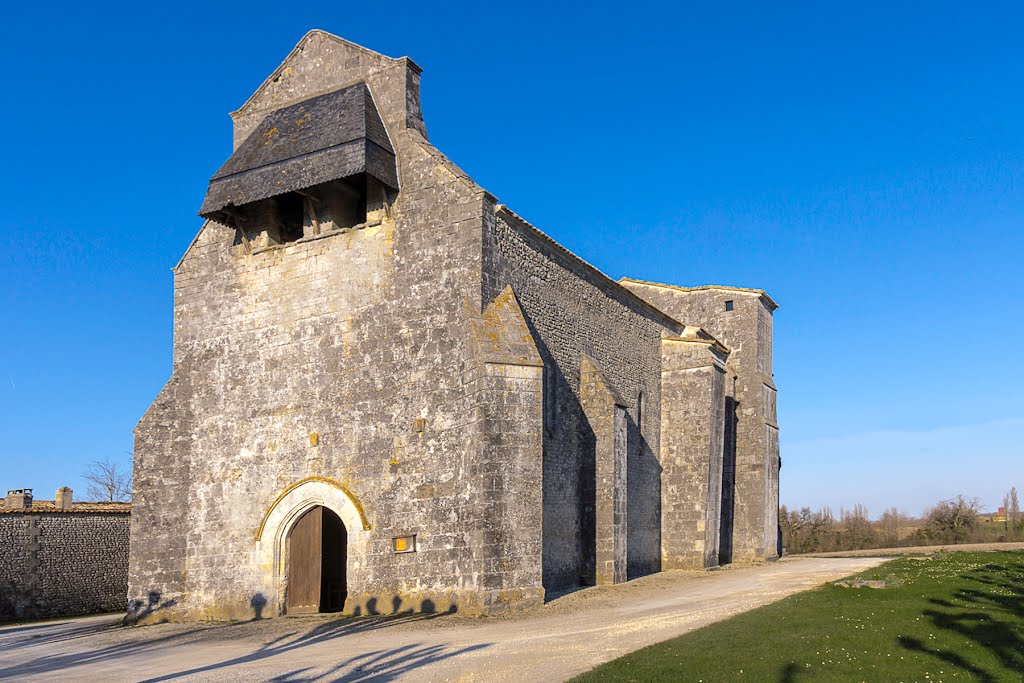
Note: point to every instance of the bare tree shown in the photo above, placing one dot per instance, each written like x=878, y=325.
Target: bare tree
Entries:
x=857, y=531
x=893, y=521
x=1013, y=519
x=806, y=531
x=108, y=481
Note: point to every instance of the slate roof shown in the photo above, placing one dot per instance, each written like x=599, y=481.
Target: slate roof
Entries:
x=327, y=137
x=49, y=506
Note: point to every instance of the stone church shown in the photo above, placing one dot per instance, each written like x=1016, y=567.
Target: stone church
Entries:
x=392, y=393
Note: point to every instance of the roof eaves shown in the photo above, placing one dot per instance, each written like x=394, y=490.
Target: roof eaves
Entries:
x=309, y=142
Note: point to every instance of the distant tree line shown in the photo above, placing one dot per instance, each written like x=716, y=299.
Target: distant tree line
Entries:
x=958, y=520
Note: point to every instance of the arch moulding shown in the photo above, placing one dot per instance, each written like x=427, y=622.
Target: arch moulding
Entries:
x=306, y=485
x=294, y=501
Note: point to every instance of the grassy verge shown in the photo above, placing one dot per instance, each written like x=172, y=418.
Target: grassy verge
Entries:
x=952, y=616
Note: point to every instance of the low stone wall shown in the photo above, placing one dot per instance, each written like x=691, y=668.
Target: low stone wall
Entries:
x=62, y=564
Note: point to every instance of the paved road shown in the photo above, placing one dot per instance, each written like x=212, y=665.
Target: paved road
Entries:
x=567, y=636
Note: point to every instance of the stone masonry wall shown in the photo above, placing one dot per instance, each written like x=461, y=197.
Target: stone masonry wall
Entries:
x=507, y=537
x=692, y=436
x=750, y=400
x=608, y=427
x=573, y=310
x=360, y=338
x=322, y=62
x=161, y=491
x=506, y=391
x=60, y=565
x=353, y=337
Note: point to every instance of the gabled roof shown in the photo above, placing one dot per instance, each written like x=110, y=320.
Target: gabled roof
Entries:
x=745, y=290
x=327, y=137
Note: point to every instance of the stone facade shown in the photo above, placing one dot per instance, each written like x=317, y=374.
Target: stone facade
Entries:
x=484, y=411
x=63, y=561
x=742, y=320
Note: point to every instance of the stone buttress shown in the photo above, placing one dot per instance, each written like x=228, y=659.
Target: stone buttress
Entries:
x=692, y=436
x=742, y=320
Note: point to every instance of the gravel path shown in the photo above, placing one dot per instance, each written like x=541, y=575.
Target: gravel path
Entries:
x=567, y=636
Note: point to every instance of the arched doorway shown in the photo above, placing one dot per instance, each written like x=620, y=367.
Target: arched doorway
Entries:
x=317, y=556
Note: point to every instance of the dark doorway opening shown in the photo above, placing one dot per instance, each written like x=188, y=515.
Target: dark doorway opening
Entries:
x=317, y=550
x=725, y=524
x=333, y=589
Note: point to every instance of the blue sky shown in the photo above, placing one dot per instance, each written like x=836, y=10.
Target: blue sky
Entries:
x=863, y=162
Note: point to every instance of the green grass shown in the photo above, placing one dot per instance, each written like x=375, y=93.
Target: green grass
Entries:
x=952, y=616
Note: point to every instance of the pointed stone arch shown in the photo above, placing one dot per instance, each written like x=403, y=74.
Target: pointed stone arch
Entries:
x=289, y=506
x=323, y=487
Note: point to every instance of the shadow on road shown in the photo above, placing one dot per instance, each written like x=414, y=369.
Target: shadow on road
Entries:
x=378, y=666
x=13, y=638
x=381, y=665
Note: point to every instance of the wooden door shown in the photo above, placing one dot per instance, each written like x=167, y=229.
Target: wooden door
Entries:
x=305, y=551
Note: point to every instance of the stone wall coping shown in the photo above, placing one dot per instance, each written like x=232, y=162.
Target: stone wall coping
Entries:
x=698, y=335
x=700, y=288
x=577, y=265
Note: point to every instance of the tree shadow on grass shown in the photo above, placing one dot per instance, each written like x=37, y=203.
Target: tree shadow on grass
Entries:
x=951, y=658
x=788, y=673
x=989, y=617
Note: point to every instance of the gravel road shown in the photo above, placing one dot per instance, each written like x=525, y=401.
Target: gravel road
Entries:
x=568, y=635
